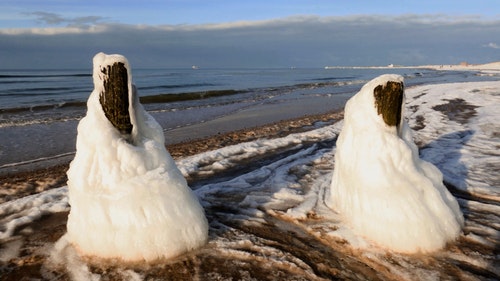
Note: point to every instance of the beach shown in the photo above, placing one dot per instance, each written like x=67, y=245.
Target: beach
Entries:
x=260, y=173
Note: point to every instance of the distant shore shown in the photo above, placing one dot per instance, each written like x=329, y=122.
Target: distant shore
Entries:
x=463, y=66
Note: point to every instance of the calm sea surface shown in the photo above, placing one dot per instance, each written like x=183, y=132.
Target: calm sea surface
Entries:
x=32, y=95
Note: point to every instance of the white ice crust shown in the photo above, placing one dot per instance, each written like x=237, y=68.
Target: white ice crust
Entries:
x=128, y=198
x=381, y=186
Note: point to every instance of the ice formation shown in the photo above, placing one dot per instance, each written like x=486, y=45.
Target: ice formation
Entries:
x=381, y=186
x=128, y=198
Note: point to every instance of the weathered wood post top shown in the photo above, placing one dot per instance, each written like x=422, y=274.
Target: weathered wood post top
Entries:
x=389, y=102
x=116, y=93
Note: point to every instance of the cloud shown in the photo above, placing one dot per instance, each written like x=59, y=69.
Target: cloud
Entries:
x=302, y=41
x=492, y=45
x=56, y=19
x=49, y=18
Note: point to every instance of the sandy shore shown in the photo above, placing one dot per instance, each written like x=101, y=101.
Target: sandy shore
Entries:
x=264, y=221
x=19, y=184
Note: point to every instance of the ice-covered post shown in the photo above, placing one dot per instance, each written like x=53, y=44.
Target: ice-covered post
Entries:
x=380, y=185
x=128, y=198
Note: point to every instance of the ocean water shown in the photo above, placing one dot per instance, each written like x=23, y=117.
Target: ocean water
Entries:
x=32, y=96
x=40, y=109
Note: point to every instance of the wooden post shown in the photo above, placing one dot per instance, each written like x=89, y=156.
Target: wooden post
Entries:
x=114, y=100
x=389, y=101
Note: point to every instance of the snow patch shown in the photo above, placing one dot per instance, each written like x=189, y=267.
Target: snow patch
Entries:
x=14, y=214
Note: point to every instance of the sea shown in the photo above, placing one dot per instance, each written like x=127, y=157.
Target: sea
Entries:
x=40, y=109
x=44, y=96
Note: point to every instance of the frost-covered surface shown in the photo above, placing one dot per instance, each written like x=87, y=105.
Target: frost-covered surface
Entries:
x=380, y=185
x=128, y=199
x=267, y=219
x=30, y=208
x=465, y=146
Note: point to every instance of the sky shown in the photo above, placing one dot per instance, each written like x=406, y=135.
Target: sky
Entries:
x=248, y=34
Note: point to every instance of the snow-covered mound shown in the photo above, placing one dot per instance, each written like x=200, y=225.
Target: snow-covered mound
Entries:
x=381, y=186
x=128, y=198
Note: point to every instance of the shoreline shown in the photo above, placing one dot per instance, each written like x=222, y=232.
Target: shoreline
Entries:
x=268, y=120
x=192, y=94
x=15, y=185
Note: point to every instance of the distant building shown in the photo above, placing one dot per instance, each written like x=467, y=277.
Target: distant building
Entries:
x=464, y=63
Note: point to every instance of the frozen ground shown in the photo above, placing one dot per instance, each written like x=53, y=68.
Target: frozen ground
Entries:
x=268, y=221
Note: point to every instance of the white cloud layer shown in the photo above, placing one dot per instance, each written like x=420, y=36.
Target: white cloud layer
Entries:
x=302, y=41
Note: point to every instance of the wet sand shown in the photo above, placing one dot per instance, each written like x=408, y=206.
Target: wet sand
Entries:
x=38, y=146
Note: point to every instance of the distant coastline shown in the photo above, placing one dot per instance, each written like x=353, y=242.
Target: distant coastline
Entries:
x=461, y=66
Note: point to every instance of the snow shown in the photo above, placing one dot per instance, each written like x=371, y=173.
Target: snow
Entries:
x=64, y=254
x=128, y=199
x=30, y=208
x=230, y=156
x=287, y=193
x=466, y=146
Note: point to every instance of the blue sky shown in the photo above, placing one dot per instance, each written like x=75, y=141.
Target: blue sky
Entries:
x=22, y=13
x=258, y=33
